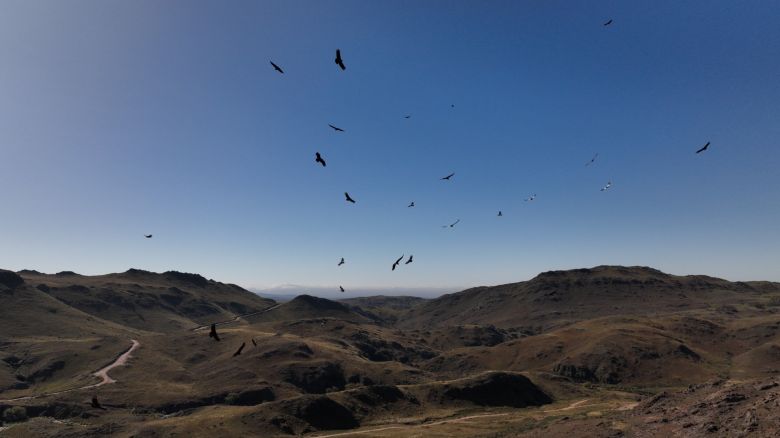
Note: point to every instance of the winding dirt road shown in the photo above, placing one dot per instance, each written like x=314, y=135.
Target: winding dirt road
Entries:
x=236, y=318
x=101, y=374
x=120, y=361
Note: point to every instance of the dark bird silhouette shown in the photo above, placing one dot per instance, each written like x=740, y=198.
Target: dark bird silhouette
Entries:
x=336, y=128
x=341, y=288
x=148, y=236
x=339, y=61
x=241, y=348
x=411, y=204
x=349, y=199
x=449, y=176
x=606, y=187
x=253, y=342
x=213, y=332
x=452, y=225
x=592, y=160
x=341, y=262
x=96, y=404
x=499, y=213
x=411, y=257
x=277, y=68
x=319, y=159
x=531, y=198
x=407, y=116
x=397, y=262
x=452, y=106
x=703, y=148
x=608, y=22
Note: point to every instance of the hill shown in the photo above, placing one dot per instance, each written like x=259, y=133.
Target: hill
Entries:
x=147, y=300
x=585, y=351
x=557, y=298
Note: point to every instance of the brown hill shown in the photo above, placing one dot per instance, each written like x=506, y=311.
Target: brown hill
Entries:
x=482, y=362
x=147, y=300
x=557, y=298
x=308, y=307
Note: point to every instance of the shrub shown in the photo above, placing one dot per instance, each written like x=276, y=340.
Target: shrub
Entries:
x=231, y=399
x=15, y=413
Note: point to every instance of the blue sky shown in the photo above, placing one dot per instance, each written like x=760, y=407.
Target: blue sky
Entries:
x=124, y=118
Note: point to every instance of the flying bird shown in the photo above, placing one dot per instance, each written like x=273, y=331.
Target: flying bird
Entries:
x=452, y=225
x=336, y=128
x=341, y=288
x=213, y=332
x=608, y=22
x=410, y=260
x=411, y=204
x=339, y=61
x=407, y=116
x=241, y=348
x=531, y=198
x=253, y=342
x=148, y=236
x=319, y=159
x=397, y=262
x=349, y=199
x=452, y=106
x=341, y=262
x=592, y=160
x=606, y=187
x=277, y=68
x=448, y=176
x=499, y=213
x=703, y=148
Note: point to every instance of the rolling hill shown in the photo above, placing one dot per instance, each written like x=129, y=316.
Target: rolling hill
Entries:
x=536, y=358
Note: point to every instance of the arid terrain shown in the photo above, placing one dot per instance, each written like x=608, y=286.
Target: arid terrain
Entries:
x=606, y=351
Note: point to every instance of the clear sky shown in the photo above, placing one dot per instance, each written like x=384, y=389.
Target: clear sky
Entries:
x=124, y=118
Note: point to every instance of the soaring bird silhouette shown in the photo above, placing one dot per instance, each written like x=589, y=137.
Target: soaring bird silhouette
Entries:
x=531, y=198
x=240, y=349
x=96, y=404
x=703, y=148
x=341, y=288
x=608, y=22
x=452, y=225
x=253, y=342
x=213, y=332
x=319, y=159
x=341, y=262
x=606, y=187
x=336, y=128
x=592, y=160
x=407, y=116
x=499, y=213
x=397, y=262
x=339, y=61
x=411, y=257
x=411, y=204
x=349, y=199
x=148, y=236
x=277, y=68
x=448, y=176
x=452, y=106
